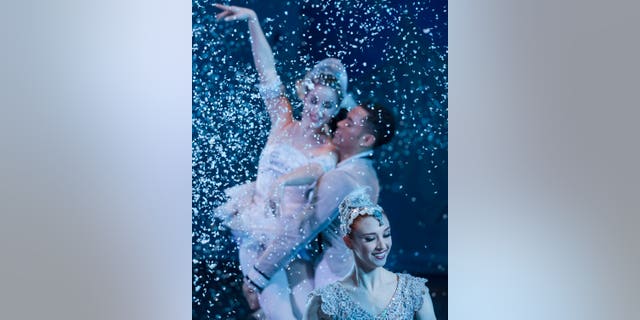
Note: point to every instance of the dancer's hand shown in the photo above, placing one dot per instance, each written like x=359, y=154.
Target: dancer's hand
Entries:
x=251, y=294
x=231, y=13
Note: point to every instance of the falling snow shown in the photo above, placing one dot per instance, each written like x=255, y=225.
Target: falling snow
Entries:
x=395, y=52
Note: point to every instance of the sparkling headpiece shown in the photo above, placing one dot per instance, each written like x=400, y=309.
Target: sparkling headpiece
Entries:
x=333, y=67
x=357, y=203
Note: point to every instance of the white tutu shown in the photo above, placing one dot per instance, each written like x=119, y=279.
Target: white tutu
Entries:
x=246, y=215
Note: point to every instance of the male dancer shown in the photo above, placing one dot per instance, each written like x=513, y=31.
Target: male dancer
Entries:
x=365, y=128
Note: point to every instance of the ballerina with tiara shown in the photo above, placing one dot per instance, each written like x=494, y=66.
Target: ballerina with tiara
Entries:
x=370, y=291
x=296, y=154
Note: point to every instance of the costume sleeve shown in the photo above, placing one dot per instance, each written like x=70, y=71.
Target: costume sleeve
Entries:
x=303, y=227
x=417, y=289
x=271, y=89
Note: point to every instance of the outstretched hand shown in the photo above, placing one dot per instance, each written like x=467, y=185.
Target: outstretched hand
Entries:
x=231, y=13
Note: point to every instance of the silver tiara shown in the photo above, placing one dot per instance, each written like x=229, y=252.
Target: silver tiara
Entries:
x=357, y=203
x=333, y=66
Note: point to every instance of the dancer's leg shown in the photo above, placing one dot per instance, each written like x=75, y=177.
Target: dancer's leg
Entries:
x=300, y=275
x=274, y=299
x=248, y=253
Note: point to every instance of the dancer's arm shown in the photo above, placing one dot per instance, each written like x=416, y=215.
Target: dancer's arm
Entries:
x=272, y=91
x=309, y=173
x=313, y=308
x=304, y=175
x=426, y=312
x=301, y=176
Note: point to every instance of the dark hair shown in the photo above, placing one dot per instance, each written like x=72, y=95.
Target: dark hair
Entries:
x=380, y=122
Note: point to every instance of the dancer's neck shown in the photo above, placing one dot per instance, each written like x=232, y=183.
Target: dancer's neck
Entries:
x=309, y=133
x=369, y=280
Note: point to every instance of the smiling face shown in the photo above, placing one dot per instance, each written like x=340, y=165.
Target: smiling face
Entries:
x=320, y=105
x=370, y=241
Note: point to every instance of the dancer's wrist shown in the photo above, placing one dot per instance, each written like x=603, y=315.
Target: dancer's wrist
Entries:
x=257, y=279
x=252, y=285
x=252, y=16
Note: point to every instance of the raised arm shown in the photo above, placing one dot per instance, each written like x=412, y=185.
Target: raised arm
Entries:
x=270, y=86
x=262, y=54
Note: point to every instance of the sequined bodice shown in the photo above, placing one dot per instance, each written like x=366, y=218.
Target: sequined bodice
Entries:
x=406, y=301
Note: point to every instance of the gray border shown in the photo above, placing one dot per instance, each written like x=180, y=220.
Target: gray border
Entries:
x=95, y=164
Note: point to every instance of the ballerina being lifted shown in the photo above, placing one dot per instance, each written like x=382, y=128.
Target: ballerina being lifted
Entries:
x=296, y=154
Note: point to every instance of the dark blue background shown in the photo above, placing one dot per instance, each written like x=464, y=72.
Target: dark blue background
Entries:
x=395, y=53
